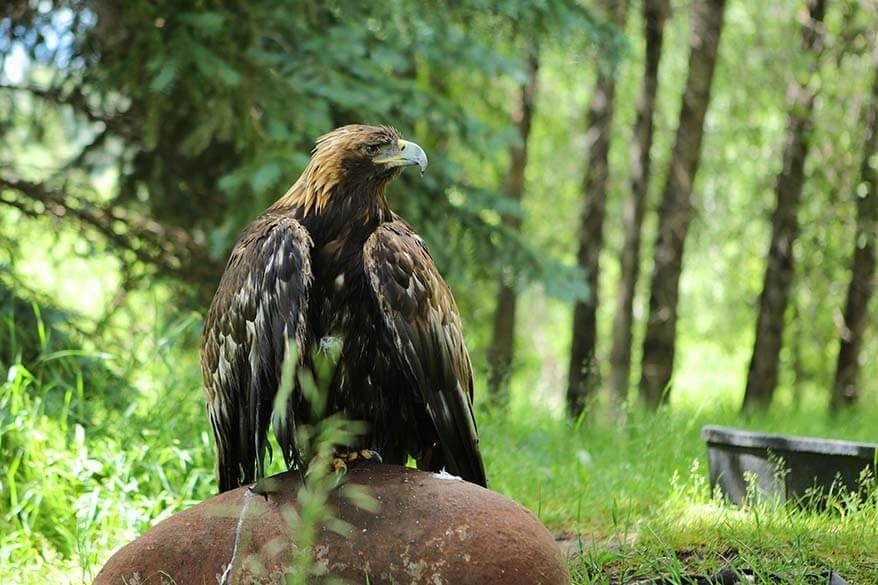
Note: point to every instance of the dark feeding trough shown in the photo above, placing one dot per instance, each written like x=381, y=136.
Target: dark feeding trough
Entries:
x=782, y=467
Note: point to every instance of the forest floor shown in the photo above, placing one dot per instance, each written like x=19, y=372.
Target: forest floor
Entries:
x=93, y=455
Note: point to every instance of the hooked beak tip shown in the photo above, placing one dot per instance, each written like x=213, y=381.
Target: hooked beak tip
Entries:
x=411, y=154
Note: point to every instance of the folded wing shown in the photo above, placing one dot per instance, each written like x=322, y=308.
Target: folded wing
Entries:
x=424, y=326
x=256, y=318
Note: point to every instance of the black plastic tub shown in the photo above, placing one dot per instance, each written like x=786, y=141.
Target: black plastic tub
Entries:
x=783, y=467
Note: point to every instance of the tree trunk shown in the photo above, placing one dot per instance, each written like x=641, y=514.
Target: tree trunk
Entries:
x=675, y=210
x=654, y=14
x=862, y=286
x=501, y=353
x=779, y=270
x=583, y=374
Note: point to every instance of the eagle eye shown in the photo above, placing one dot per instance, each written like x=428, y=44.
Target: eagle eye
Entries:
x=372, y=149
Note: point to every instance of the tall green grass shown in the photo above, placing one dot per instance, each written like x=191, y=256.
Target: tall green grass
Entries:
x=89, y=460
x=101, y=439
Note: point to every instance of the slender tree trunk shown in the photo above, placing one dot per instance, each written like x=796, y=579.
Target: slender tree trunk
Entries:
x=779, y=270
x=862, y=286
x=675, y=210
x=501, y=353
x=654, y=14
x=583, y=376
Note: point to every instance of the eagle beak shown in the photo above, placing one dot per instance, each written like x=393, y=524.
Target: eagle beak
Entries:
x=406, y=154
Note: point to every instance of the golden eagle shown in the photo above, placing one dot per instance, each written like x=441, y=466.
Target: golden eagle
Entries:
x=331, y=259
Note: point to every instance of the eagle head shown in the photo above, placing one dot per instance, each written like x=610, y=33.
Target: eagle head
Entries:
x=368, y=151
x=353, y=160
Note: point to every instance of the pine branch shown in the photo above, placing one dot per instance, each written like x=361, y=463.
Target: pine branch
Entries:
x=169, y=251
x=76, y=100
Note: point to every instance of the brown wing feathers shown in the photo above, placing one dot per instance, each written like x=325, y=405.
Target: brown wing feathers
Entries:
x=258, y=311
x=425, y=330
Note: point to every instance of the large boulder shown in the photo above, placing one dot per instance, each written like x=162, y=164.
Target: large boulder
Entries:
x=431, y=529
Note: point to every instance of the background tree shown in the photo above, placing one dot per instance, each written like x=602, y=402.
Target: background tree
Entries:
x=583, y=374
x=676, y=208
x=779, y=270
x=845, y=388
x=655, y=12
x=503, y=344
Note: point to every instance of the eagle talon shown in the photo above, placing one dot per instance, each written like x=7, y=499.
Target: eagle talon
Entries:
x=339, y=465
x=370, y=455
x=343, y=459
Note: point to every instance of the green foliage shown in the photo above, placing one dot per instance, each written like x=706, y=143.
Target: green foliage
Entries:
x=209, y=114
x=43, y=337
x=632, y=496
x=88, y=460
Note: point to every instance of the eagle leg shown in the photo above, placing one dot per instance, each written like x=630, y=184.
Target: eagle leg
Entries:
x=344, y=458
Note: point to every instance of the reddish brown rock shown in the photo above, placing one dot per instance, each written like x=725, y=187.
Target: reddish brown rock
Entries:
x=430, y=530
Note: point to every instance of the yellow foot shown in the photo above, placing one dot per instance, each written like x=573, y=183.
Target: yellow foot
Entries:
x=343, y=459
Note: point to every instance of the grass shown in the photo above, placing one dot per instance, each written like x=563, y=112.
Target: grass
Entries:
x=97, y=444
x=635, y=500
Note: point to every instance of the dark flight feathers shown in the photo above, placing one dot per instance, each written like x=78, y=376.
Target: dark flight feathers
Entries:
x=421, y=316
x=258, y=312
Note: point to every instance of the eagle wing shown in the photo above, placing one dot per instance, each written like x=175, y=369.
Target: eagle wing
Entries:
x=424, y=325
x=256, y=316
